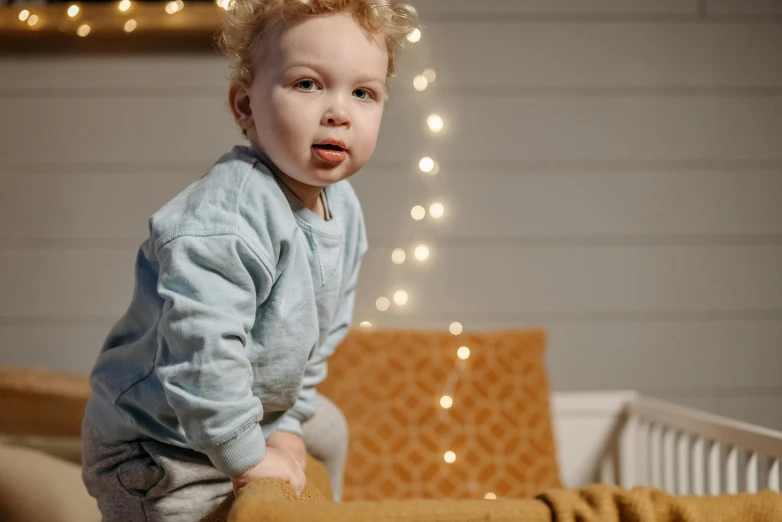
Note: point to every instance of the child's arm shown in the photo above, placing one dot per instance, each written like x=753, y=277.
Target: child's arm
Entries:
x=212, y=285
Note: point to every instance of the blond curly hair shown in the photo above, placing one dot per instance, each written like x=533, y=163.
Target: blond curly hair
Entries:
x=248, y=21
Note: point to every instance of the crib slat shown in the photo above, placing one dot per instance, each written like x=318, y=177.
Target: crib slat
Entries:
x=699, y=466
x=714, y=474
x=655, y=456
x=642, y=453
x=608, y=468
x=692, y=453
x=732, y=470
x=683, y=464
x=669, y=460
x=627, y=465
x=751, y=484
x=742, y=464
x=772, y=473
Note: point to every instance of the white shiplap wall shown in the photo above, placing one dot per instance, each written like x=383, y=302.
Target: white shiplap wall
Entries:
x=611, y=170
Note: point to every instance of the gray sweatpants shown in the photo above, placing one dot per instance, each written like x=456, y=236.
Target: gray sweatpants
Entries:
x=148, y=481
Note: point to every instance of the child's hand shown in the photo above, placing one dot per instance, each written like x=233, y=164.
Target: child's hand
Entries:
x=277, y=464
x=291, y=443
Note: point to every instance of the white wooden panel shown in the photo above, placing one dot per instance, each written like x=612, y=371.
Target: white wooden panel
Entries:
x=102, y=205
x=744, y=7
x=636, y=355
x=463, y=280
x=578, y=55
x=475, y=54
x=569, y=7
x=531, y=205
x=457, y=280
x=133, y=75
x=136, y=130
x=65, y=348
x=761, y=410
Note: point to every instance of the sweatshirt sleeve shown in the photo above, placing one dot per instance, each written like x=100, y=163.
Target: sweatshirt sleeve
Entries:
x=211, y=286
x=317, y=367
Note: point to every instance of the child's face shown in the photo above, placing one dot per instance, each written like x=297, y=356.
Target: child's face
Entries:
x=317, y=98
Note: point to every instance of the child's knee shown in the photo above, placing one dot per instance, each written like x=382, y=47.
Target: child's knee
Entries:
x=327, y=431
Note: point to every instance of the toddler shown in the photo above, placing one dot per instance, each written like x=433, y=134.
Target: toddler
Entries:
x=245, y=285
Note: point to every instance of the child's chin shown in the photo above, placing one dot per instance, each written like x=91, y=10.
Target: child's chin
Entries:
x=320, y=176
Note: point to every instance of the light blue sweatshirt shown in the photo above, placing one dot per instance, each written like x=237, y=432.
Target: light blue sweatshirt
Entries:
x=241, y=295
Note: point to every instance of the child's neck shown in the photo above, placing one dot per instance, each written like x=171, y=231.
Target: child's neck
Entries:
x=309, y=195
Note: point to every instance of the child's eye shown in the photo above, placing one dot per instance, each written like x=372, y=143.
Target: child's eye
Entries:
x=306, y=85
x=363, y=94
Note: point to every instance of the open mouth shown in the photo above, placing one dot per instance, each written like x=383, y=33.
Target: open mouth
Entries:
x=331, y=151
x=329, y=146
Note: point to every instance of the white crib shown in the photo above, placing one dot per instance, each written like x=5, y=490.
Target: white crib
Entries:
x=623, y=438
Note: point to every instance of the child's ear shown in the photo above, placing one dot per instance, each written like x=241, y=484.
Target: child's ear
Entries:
x=239, y=100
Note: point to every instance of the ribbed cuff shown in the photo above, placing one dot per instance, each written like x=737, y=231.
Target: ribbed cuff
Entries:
x=291, y=425
x=239, y=454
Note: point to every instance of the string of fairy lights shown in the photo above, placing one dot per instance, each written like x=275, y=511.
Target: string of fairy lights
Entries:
x=422, y=252
x=74, y=12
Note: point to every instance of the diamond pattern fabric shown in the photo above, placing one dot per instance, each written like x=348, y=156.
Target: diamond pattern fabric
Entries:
x=496, y=437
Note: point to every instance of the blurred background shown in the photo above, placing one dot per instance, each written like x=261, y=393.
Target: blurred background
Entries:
x=609, y=170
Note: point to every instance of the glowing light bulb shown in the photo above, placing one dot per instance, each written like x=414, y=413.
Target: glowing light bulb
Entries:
x=130, y=26
x=174, y=6
x=420, y=83
x=124, y=5
x=456, y=328
x=490, y=496
x=446, y=402
x=382, y=304
x=436, y=210
x=401, y=297
x=449, y=457
x=24, y=14
x=426, y=164
x=225, y=4
x=33, y=20
x=414, y=36
x=430, y=75
x=73, y=10
x=83, y=30
x=422, y=252
x=366, y=325
x=463, y=353
x=418, y=212
x=435, y=123
x=398, y=256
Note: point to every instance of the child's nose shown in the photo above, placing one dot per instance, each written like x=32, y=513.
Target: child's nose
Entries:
x=336, y=119
x=336, y=115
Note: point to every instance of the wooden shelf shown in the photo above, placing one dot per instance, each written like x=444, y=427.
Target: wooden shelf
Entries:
x=191, y=29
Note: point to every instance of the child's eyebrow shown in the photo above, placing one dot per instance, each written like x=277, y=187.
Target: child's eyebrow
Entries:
x=314, y=67
x=370, y=78
x=308, y=65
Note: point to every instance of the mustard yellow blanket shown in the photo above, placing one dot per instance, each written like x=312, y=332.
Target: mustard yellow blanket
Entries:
x=271, y=500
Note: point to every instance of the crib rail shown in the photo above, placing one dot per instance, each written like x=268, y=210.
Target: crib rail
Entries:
x=689, y=452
